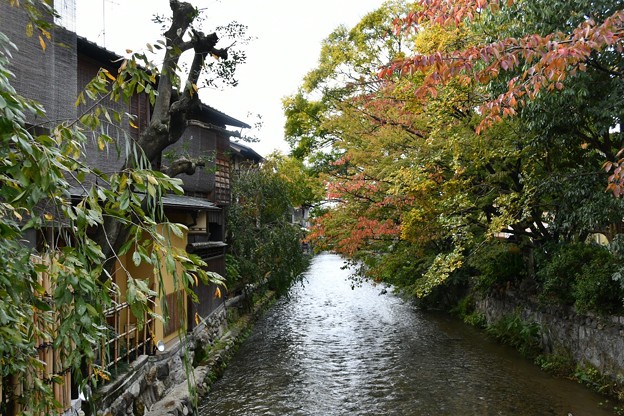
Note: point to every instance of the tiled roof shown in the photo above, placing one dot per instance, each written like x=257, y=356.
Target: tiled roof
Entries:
x=172, y=201
x=183, y=201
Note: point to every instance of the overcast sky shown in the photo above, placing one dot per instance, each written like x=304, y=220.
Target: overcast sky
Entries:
x=288, y=32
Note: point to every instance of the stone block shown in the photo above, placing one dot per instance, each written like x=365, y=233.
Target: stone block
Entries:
x=159, y=390
x=135, y=389
x=162, y=371
x=150, y=377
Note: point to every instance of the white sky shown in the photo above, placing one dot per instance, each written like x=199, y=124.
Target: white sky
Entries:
x=288, y=32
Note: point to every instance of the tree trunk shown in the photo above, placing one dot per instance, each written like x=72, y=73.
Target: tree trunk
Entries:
x=171, y=110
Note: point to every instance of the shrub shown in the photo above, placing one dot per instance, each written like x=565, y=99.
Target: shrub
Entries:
x=496, y=263
x=595, y=290
x=465, y=309
x=264, y=246
x=515, y=332
x=560, y=363
x=581, y=275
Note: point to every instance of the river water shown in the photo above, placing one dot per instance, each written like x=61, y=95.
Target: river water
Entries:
x=328, y=349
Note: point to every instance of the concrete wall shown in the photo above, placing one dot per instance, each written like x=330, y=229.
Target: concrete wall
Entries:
x=590, y=339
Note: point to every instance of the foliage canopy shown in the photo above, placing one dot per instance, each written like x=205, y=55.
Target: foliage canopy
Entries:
x=491, y=121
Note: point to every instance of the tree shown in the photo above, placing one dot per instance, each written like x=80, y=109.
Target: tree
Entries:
x=349, y=62
x=433, y=158
x=542, y=60
x=384, y=167
x=570, y=37
x=173, y=99
x=265, y=247
x=89, y=233
x=302, y=182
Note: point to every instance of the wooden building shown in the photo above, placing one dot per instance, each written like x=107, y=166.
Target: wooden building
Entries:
x=54, y=78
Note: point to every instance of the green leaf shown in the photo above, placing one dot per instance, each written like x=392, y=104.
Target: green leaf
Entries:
x=81, y=309
x=136, y=258
x=131, y=293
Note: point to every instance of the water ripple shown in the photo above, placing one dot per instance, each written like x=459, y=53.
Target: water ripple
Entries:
x=328, y=349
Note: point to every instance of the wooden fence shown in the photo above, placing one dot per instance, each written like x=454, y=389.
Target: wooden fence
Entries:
x=52, y=371
x=125, y=341
x=127, y=338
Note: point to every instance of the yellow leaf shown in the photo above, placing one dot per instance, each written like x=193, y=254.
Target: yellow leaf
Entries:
x=123, y=182
x=48, y=217
x=42, y=43
x=101, y=143
x=217, y=293
x=99, y=373
x=80, y=99
x=108, y=75
x=137, y=178
x=196, y=318
x=196, y=280
x=29, y=29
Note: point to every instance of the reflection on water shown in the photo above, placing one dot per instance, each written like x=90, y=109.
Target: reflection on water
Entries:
x=328, y=349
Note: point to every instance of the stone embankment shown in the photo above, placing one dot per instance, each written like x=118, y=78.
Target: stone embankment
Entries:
x=589, y=339
x=158, y=385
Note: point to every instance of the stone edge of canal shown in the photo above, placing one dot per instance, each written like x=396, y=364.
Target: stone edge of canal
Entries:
x=209, y=363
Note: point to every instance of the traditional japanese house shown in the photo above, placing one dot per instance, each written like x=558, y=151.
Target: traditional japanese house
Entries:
x=55, y=77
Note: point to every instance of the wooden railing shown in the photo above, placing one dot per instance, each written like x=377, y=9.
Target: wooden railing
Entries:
x=124, y=342
x=127, y=339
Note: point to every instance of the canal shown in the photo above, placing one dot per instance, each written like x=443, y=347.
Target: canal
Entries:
x=328, y=349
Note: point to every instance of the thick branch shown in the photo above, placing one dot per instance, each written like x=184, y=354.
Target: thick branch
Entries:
x=183, y=165
x=171, y=111
x=203, y=45
x=183, y=15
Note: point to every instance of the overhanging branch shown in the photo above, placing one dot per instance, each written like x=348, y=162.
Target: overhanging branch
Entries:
x=183, y=165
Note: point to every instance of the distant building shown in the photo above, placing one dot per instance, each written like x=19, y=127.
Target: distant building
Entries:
x=243, y=156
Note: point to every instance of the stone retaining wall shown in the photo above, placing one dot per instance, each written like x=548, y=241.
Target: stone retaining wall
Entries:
x=151, y=378
x=590, y=339
x=158, y=385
